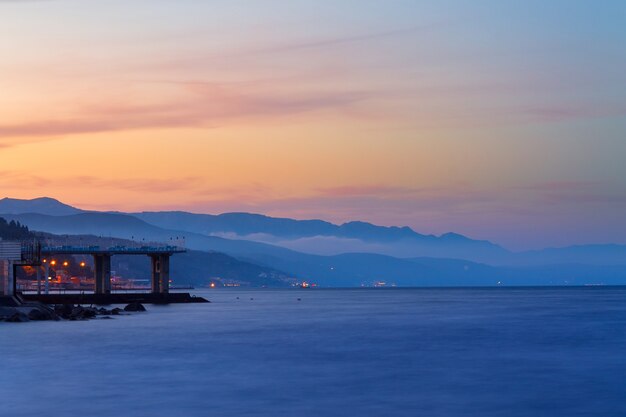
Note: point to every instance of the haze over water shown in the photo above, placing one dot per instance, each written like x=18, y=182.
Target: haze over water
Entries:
x=362, y=352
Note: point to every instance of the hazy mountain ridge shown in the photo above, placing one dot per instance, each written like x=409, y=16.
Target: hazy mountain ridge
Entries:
x=594, y=254
x=309, y=236
x=42, y=205
x=340, y=270
x=323, y=238
x=591, y=264
x=245, y=224
x=197, y=268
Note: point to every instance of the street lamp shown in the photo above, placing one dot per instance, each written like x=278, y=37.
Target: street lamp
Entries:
x=47, y=277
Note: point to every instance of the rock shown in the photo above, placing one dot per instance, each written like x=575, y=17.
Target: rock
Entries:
x=89, y=313
x=17, y=317
x=76, y=312
x=38, y=311
x=6, y=312
x=64, y=310
x=116, y=311
x=135, y=307
x=40, y=314
x=9, y=301
x=81, y=313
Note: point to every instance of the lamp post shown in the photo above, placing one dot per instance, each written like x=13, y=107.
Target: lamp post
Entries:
x=47, y=277
x=45, y=262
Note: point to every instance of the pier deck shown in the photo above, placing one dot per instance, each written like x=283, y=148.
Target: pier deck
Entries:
x=106, y=299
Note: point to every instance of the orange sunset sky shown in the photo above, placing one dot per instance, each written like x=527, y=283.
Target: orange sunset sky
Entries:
x=502, y=121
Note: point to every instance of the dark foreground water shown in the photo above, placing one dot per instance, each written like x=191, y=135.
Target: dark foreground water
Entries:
x=405, y=352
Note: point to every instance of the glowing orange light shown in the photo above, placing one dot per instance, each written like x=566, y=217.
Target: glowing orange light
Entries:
x=212, y=285
x=65, y=263
x=53, y=262
x=82, y=264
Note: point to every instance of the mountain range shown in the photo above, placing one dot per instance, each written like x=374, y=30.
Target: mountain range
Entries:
x=349, y=254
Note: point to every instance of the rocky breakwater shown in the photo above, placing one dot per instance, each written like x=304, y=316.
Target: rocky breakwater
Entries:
x=38, y=312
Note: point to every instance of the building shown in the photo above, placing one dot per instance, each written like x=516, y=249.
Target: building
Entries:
x=10, y=254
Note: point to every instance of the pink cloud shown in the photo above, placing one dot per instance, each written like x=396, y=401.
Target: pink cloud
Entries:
x=363, y=190
x=563, y=112
x=26, y=180
x=204, y=105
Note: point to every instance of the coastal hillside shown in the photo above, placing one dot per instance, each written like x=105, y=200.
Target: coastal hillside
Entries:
x=243, y=234
x=325, y=238
x=196, y=268
x=343, y=270
x=308, y=236
x=42, y=205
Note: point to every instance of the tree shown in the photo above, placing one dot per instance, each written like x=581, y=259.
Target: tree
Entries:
x=14, y=230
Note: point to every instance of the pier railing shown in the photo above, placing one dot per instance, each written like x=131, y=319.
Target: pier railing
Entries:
x=31, y=252
x=120, y=250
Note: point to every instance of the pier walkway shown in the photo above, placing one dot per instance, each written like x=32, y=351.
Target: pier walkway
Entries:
x=37, y=256
x=159, y=255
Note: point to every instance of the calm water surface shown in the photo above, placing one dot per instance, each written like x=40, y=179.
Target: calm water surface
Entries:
x=398, y=352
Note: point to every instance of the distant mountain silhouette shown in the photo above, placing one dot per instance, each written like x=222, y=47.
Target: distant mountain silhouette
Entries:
x=117, y=225
x=362, y=253
x=587, y=254
x=244, y=224
x=309, y=236
x=43, y=205
x=324, y=238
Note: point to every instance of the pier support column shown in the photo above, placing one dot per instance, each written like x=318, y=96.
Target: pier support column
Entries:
x=10, y=254
x=102, y=273
x=15, y=278
x=160, y=273
x=165, y=274
x=46, y=281
x=11, y=280
x=6, y=277
x=39, y=278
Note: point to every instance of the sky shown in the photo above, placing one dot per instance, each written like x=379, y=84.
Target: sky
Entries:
x=501, y=120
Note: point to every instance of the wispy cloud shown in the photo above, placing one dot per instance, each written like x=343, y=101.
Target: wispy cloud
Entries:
x=270, y=48
x=576, y=192
x=149, y=185
x=332, y=41
x=204, y=105
x=364, y=190
x=564, y=112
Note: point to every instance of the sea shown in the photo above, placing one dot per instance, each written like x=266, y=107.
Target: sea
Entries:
x=513, y=352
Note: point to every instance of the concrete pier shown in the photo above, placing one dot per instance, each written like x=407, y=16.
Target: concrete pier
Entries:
x=102, y=273
x=10, y=255
x=159, y=257
x=13, y=254
x=6, y=277
x=115, y=298
x=160, y=273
